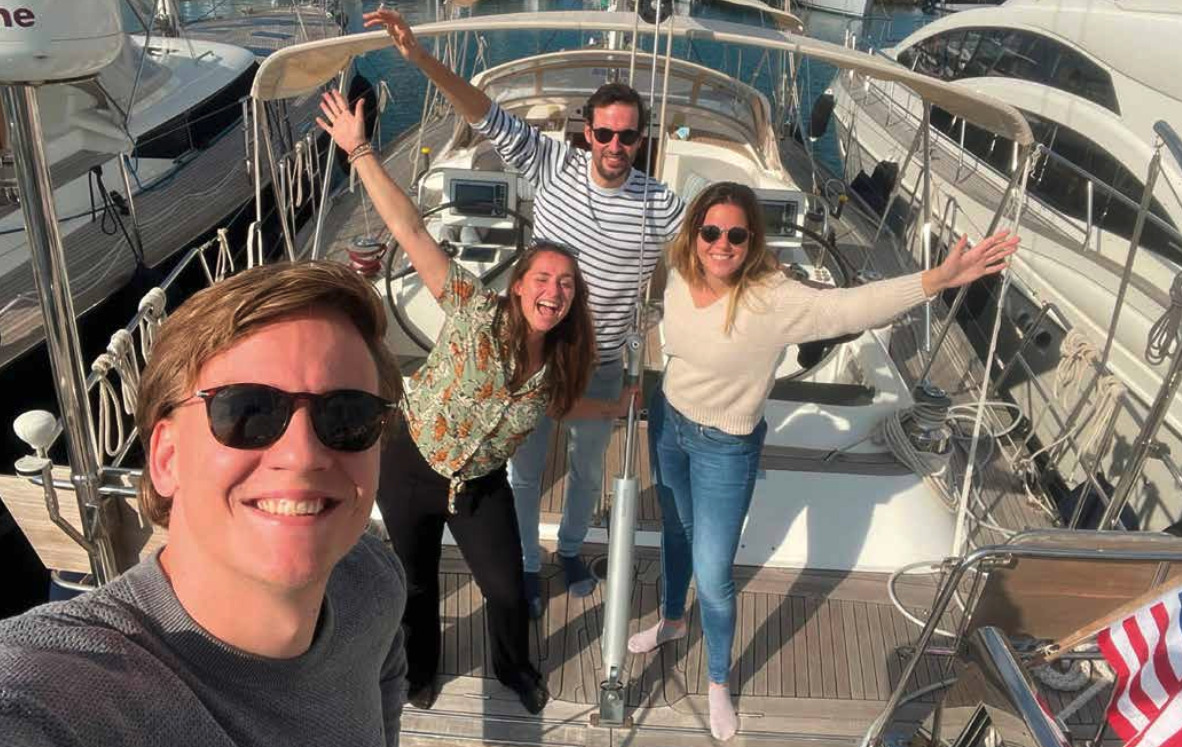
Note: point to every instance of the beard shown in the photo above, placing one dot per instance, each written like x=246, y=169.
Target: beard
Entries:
x=610, y=173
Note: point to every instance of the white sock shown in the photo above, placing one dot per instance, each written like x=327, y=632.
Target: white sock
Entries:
x=724, y=722
x=663, y=632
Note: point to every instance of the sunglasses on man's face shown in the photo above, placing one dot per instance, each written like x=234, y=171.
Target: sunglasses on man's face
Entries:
x=604, y=135
x=255, y=416
x=735, y=235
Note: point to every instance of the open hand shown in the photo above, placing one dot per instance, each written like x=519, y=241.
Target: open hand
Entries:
x=346, y=128
x=398, y=29
x=963, y=264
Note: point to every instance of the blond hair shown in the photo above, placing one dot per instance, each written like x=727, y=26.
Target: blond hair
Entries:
x=758, y=265
x=217, y=318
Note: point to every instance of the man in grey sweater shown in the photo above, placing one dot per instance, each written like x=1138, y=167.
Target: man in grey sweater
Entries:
x=268, y=618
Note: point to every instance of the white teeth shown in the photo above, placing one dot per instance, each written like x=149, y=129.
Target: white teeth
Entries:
x=284, y=507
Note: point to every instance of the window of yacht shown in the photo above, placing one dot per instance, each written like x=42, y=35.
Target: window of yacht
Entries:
x=1063, y=188
x=1010, y=53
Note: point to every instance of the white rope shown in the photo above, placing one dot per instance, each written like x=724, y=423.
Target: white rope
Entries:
x=313, y=155
x=1077, y=357
x=932, y=567
x=384, y=97
x=153, y=307
x=297, y=176
x=1072, y=679
x=1163, y=335
x=1103, y=678
x=254, y=245
x=1076, y=354
x=121, y=349
x=225, y=259
x=933, y=468
x=110, y=424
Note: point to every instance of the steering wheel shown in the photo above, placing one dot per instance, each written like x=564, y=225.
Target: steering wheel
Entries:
x=520, y=223
x=809, y=354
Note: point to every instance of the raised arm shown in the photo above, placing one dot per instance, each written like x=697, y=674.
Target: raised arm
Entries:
x=807, y=313
x=347, y=129
x=468, y=100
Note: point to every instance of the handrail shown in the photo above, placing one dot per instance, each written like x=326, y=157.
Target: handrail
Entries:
x=1120, y=196
x=92, y=380
x=952, y=581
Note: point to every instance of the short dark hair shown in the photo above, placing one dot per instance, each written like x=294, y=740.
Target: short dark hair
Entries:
x=615, y=93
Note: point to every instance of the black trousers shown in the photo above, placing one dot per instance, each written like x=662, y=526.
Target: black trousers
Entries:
x=413, y=501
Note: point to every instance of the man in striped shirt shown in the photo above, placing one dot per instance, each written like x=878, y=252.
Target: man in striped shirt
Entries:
x=618, y=220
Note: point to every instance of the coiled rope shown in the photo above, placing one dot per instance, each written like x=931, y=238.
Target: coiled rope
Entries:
x=1163, y=335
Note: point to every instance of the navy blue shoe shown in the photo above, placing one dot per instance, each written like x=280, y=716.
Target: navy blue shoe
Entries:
x=533, y=595
x=579, y=581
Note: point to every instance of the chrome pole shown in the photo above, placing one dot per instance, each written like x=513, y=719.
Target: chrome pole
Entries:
x=927, y=222
x=964, y=289
x=1134, y=243
x=330, y=152
x=1144, y=445
x=48, y=260
x=621, y=550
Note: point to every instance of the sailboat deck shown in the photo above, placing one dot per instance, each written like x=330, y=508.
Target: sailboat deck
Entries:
x=816, y=654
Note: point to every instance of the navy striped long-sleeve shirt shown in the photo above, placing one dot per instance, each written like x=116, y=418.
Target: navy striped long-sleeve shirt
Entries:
x=602, y=225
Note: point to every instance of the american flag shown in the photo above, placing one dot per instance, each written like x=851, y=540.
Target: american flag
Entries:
x=1145, y=650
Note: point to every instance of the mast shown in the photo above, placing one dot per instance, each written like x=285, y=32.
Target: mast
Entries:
x=50, y=45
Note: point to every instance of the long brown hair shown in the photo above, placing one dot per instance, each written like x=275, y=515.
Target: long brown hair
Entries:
x=757, y=266
x=569, y=349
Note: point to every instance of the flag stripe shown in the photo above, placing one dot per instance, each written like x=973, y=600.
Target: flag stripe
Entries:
x=1140, y=699
x=1119, y=710
x=1145, y=651
x=1173, y=604
x=1152, y=632
x=1161, y=654
x=1164, y=731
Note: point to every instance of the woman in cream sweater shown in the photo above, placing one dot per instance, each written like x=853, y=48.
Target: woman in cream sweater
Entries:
x=729, y=313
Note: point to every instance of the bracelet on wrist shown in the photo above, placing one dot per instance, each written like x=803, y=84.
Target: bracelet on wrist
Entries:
x=360, y=151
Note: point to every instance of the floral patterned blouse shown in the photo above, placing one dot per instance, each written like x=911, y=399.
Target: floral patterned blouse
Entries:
x=459, y=410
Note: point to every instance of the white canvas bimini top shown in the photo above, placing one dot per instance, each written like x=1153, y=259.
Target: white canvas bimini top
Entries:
x=299, y=69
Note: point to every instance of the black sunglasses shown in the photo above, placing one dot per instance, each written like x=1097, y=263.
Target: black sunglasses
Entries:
x=735, y=235
x=254, y=416
x=604, y=135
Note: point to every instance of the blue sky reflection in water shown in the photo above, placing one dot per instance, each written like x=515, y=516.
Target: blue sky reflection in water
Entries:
x=407, y=85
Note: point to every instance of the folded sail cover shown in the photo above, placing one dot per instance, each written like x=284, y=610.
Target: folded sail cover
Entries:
x=299, y=69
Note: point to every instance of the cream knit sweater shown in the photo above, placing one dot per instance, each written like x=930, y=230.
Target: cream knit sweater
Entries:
x=722, y=380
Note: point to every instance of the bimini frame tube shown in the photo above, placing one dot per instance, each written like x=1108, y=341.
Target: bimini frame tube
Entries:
x=48, y=260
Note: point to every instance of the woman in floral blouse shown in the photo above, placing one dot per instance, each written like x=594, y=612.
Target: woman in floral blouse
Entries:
x=498, y=365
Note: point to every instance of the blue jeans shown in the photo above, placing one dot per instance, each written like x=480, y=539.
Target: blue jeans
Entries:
x=586, y=444
x=704, y=479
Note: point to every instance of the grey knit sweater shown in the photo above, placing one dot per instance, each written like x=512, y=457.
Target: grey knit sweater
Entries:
x=126, y=665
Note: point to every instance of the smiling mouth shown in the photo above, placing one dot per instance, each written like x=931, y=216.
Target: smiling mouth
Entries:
x=548, y=309
x=287, y=507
